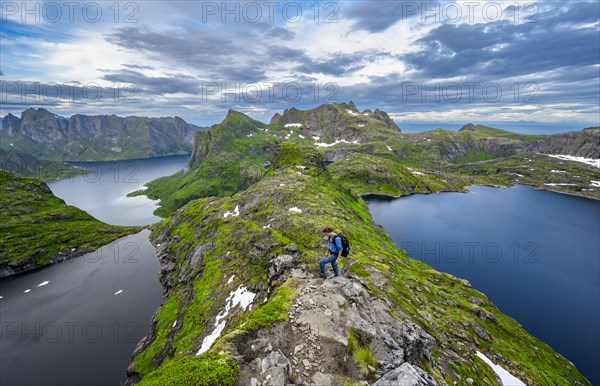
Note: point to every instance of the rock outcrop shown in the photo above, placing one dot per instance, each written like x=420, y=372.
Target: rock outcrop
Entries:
x=584, y=143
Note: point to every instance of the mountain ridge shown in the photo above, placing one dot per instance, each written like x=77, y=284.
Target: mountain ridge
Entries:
x=45, y=135
x=388, y=319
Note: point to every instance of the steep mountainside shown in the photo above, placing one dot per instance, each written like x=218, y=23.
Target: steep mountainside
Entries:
x=584, y=143
x=38, y=228
x=45, y=135
x=232, y=156
x=24, y=165
x=243, y=303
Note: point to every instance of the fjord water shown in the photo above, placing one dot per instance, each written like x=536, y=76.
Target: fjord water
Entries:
x=73, y=326
x=103, y=193
x=78, y=322
x=534, y=253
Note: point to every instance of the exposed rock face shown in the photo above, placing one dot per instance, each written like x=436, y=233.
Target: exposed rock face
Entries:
x=584, y=143
x=82, y=137
x=336, y=120
x=468, y=126
x=311, y=346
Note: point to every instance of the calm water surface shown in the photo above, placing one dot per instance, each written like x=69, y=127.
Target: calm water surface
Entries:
x=534, y=253
x=77, y=322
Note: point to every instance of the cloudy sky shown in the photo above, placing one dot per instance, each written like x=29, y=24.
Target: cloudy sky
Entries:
x=426, y=61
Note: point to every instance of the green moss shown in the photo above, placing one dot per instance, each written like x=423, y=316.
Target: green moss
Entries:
x=274, y=310
x=358, y=269
x=36, y=225
x=361, y=352
x=165, y=317
x=209, y=369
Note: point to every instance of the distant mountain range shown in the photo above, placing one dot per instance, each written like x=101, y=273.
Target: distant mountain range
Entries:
x=45, y=135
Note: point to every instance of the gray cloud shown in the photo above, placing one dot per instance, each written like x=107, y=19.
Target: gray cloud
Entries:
x=280, y=33
x=156, y=85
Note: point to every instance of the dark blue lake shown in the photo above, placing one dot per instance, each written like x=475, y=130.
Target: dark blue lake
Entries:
x=534, y=253
x=78, y=322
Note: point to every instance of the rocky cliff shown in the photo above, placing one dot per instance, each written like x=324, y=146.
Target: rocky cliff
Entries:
x=45, y=135
x=584, y=143
x=243, y=304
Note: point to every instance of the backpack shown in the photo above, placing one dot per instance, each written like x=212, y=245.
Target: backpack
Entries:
x=345, y=244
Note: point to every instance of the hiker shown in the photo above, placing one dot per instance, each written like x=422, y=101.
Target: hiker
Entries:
x=334, y=251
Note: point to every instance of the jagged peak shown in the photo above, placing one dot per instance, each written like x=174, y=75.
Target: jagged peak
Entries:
x=238, y=118
x=469, y=126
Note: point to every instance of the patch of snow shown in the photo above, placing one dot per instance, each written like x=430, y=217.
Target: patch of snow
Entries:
x=388, y=147
x=300, y=167
x=281, y=184
x=249, y=135
x=235, y=213
x=26, y=291
x=595, y=184
x=118, y=292
x=589, y=161
x=11, y=144
x=322, y=144
x=301, y=136
x=417, y=173
x=241, y=297
x=352, y=112
x=428, y=139
x=227, y=254
x=518, y=175
x=174, y=324
x=43, y=283
x=294, y=209
x=293, y=125
x=1, y=297
x=557, y=171
x=230, y=279
x=507, y=378
x=266, y=226
x=158, y=245
x=366, y=114
x=316, y=138
x=560, y=184
x=361, y=125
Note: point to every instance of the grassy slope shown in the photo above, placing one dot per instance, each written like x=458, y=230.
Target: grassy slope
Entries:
x=536, y=170
x=24, y=165
x=234, y=152
x=411, y=285
x=36, y=225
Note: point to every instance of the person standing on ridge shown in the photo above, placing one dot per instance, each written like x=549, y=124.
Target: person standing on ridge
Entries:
x=335, y=249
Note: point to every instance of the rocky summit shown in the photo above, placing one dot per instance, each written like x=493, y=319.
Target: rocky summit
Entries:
x=244, y=304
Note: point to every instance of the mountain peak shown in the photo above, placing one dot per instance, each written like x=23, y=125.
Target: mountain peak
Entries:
x=468, y=127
